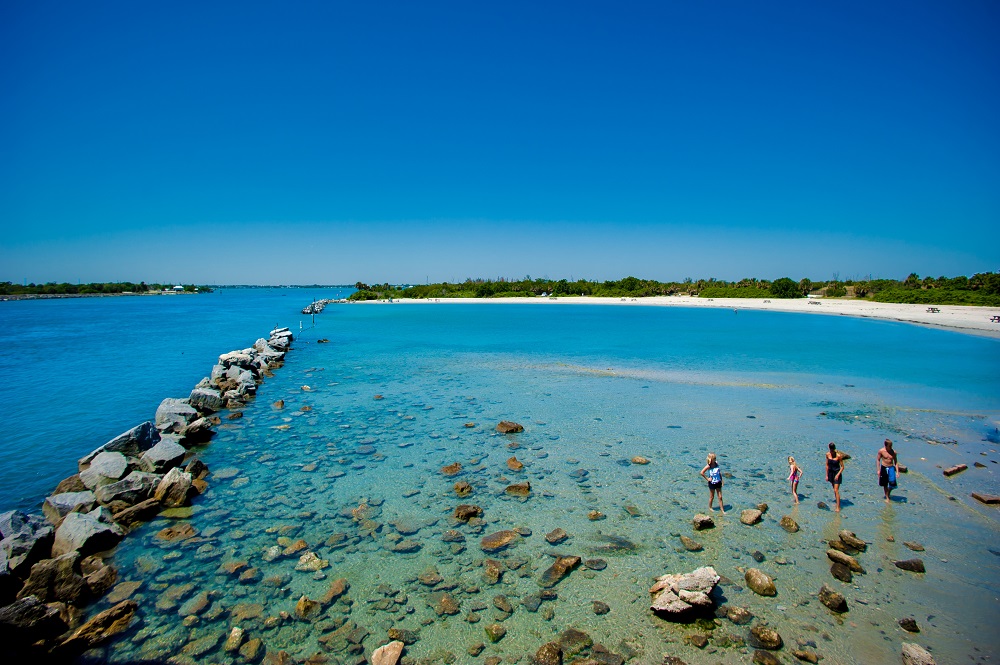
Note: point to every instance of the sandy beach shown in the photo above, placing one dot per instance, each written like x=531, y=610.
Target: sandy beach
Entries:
x=966, y=319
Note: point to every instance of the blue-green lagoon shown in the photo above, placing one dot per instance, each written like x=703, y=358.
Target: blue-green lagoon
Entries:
x=342, y=456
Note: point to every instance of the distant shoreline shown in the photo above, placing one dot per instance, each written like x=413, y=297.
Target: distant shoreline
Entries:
x=968, y=319
x=58, y=296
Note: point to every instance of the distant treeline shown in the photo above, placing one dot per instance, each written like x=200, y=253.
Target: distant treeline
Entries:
x=94, y=288
x=980, y=289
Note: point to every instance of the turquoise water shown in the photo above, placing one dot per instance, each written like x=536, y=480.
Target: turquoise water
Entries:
x=358, y=476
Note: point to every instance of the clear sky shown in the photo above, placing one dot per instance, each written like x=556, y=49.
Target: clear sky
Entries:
x=330, y=142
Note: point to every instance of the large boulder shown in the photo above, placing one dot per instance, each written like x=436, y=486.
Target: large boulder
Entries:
x=206, y=400
x=25, y=622
x=162, y=457
x=174, y=415
x=175, y=488
x=266, y=351
x=104, y=468
x=56, y=579
x=132, y=443
x=132, y=489
x=58, y=506
x=676, y=595
x=86, y=533
x=26, y=540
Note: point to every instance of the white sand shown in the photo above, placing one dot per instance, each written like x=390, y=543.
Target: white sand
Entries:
x=966, y=319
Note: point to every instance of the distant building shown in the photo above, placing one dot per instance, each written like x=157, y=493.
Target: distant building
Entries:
x=178, y=288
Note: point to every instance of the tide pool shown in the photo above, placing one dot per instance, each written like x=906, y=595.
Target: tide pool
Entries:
x=349, y=468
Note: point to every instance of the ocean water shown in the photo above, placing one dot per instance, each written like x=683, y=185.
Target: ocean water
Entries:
x=350, y=469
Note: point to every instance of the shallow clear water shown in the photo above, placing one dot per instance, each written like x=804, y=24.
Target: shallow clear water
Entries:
x=593, y=387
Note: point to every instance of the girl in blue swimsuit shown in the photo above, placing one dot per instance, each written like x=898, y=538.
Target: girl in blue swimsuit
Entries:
x=714, y=479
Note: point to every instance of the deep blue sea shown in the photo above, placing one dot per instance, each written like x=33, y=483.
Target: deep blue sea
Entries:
x=351, y=465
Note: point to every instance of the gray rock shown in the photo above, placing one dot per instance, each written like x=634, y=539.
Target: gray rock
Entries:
x=162, y=457
x=760, y=582
x=27, y=539
x=206, y=400
x=197, y=432
x=132, y=443
x=750, y=516
x=702, y=521
x=134, y=488
x=104, y=468
x=175, y=488
x=86, y=533
x=58, y=506
x=675, y=595
x=174, y=415
x=914, y=654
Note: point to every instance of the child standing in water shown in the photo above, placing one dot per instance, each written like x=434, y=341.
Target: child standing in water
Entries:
x=714, y=479
x=794, y=475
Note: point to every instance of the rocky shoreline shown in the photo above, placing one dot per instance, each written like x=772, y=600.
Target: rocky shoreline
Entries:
x=53, y=564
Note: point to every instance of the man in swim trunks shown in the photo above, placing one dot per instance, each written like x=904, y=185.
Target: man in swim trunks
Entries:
x=885, y=463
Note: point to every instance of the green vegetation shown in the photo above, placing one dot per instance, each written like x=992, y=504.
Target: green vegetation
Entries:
x=95, y=288
x=980, y=289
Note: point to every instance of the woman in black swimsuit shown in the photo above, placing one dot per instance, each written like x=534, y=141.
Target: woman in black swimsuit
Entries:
x=835, y=470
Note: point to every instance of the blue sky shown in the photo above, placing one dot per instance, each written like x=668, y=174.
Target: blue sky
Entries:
x=398, y=141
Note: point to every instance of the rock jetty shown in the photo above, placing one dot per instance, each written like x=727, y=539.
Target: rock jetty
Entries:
x=51, y=564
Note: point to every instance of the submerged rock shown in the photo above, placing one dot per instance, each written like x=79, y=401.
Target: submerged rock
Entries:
x=387, y=654
x=514, y=464
x=845, y=559
x=499, y=540
x=676, y=595
x=690, y=545
x=519, y=489
x=788, y=524
x=762, y=637
x=558, y=570
x=841, y=572
x=110, y=622
x=833, y=600
x=702, y=522
x=760, y=582
x=909, y=625
x=466, y=512
x=509, y=427
x=914, y=654
x=912, y=565
x=851, y=540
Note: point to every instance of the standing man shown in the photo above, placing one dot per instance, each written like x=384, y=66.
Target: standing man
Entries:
x=885, y=461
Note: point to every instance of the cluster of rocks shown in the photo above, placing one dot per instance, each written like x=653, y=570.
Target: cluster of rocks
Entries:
x=317, y=306
x=54, y=564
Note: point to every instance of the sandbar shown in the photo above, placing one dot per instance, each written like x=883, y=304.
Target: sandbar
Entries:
x=972, y=320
